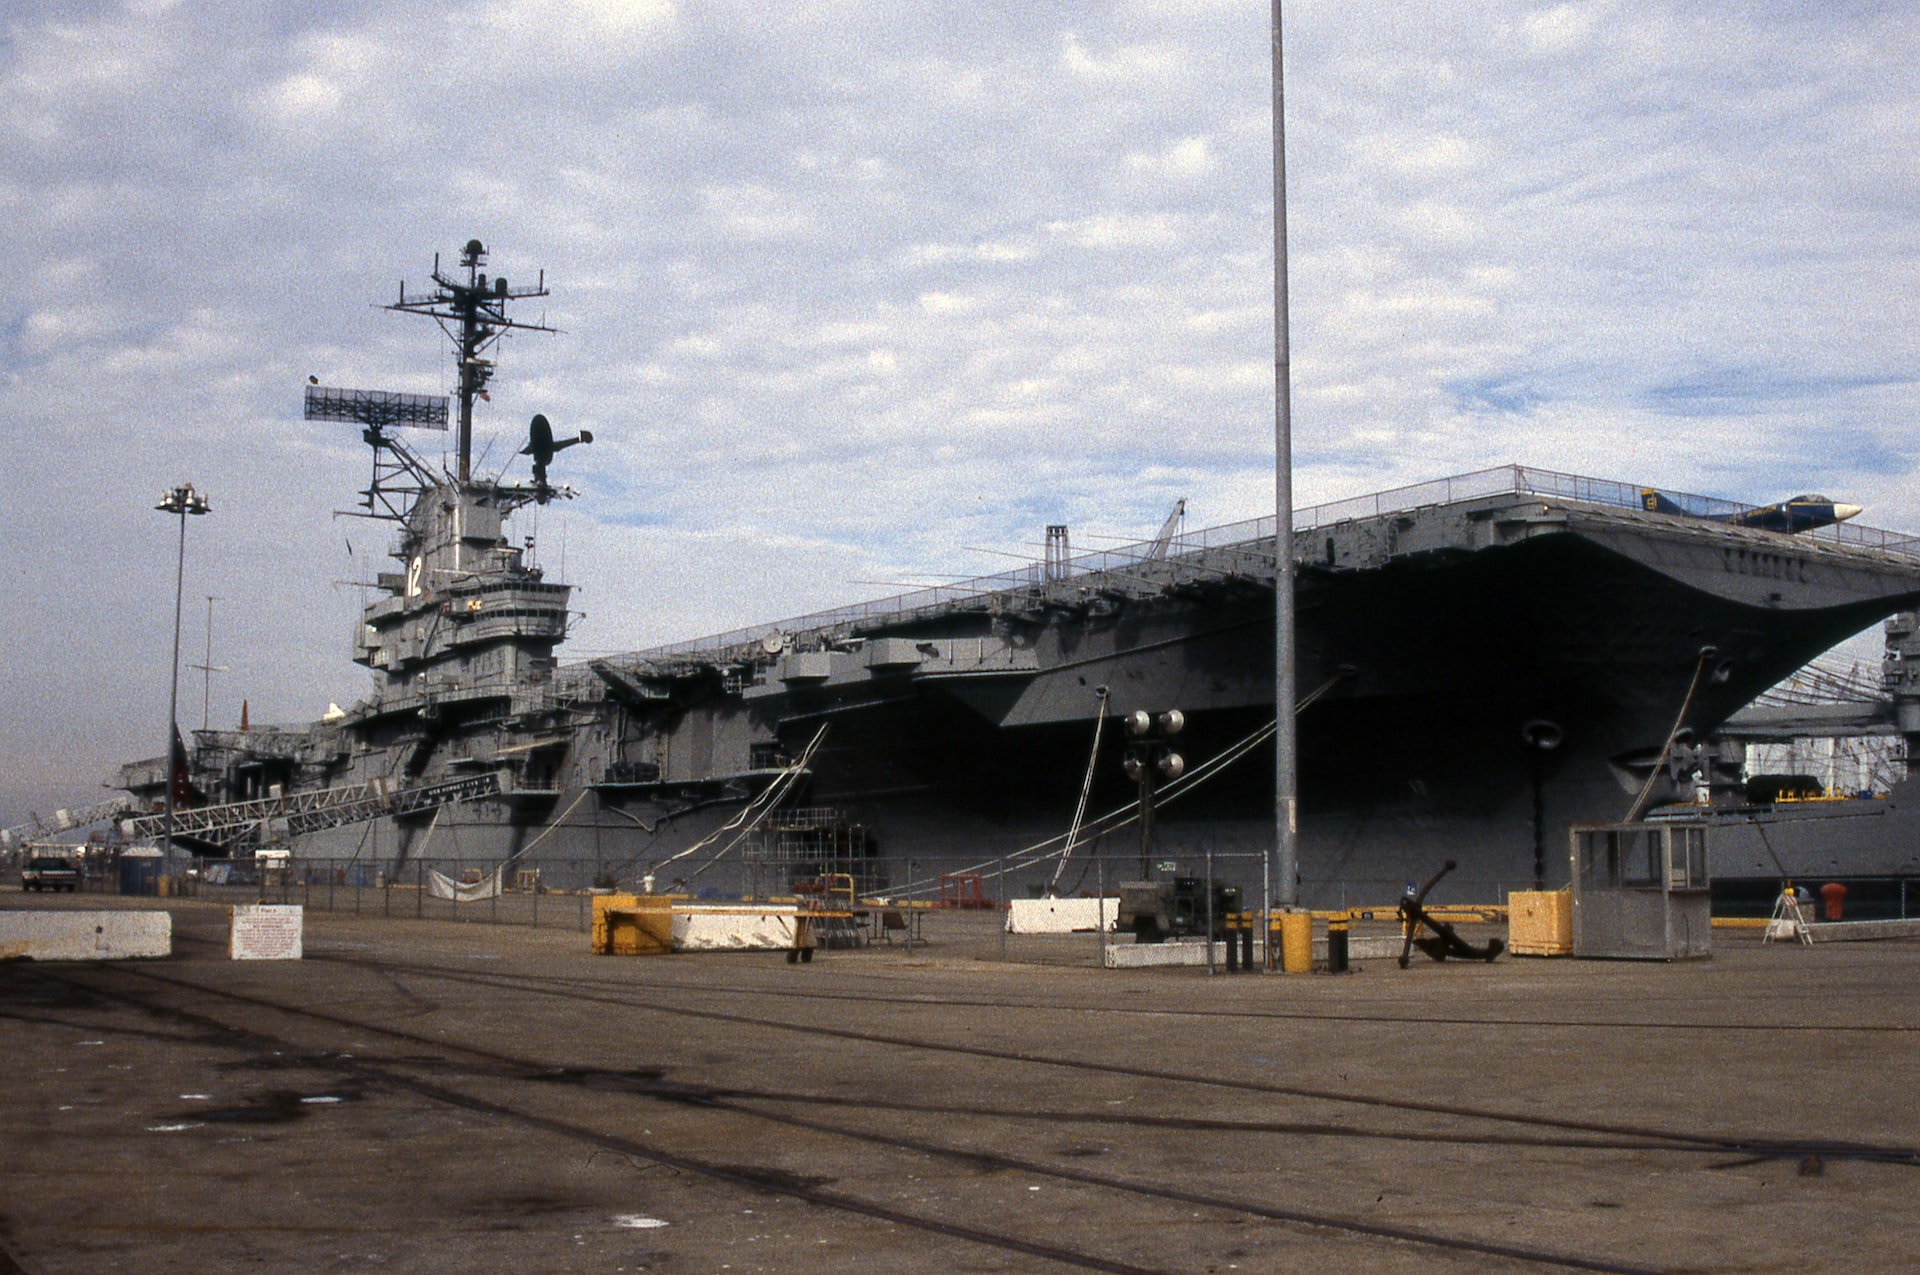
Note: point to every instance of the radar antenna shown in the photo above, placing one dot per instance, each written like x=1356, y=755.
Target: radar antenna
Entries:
x=473, y=314
x=398, y=475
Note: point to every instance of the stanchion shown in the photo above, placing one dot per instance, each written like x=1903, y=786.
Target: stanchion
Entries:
x=1337, y=946
x=1211, y=970
x=1100, y=892
x=1006, y=906
x=1296, y=943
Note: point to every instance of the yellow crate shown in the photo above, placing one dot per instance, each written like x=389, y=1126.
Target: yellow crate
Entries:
x=1540, y=923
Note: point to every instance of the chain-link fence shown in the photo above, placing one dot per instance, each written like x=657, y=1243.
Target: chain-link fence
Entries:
x=423, y=889
x=945, y=907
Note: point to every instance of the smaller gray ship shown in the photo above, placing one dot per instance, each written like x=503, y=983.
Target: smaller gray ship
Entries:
x=1486, y=660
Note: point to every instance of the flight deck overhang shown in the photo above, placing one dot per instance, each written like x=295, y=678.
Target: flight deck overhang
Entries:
x=1432, y=524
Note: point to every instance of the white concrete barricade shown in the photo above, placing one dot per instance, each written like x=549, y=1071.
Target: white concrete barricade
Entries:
x=1127, y=955
x=1060, y=916
x=85, y=936
x=265, y=932
x=1136, y=956
x=1863, y=931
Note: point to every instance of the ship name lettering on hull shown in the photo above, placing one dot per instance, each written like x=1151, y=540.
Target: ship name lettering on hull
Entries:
x=1771, y=566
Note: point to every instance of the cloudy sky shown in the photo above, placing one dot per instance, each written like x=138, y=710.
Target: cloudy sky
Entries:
x=858, y=293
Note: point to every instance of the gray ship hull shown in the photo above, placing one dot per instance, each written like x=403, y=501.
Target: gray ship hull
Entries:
x=1444, y=643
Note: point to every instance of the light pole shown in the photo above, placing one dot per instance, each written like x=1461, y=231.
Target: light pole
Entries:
x=1285, y=864
x=182, y=500
x=1151, y=753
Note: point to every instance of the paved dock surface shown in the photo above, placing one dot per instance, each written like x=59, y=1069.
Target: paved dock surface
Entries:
x=438, y=1096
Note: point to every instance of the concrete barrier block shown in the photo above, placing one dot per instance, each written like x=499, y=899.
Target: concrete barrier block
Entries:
x=1371, y=947
x=1136, y=956
x=1061, y=916
x=85, y=936
x=1863, y=931
x=1125, y=955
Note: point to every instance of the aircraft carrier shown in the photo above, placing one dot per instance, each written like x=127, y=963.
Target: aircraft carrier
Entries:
x=1483, y=660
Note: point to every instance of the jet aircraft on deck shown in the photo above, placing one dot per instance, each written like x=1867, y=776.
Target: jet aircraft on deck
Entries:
x=1801, y=513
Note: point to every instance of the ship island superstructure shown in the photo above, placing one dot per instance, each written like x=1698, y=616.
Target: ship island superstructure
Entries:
x=1483, y=660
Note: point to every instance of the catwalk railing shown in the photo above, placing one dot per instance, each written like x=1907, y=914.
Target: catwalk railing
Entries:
x=1250, y=533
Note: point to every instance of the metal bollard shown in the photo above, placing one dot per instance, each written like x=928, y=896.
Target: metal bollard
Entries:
x=1233, y=943
x=1246, y=941
x=1296, y=943
x=1337, y=947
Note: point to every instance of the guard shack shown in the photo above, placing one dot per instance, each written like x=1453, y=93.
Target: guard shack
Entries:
x=1640, y=891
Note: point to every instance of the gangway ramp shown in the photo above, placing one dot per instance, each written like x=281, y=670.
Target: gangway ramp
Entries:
x=37, y=828
x=245, y=823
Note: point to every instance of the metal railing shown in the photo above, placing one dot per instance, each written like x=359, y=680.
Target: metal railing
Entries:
x=313, y=810
x=1251, y=532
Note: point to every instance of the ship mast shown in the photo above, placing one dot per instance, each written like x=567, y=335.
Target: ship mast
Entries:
x=473, y=314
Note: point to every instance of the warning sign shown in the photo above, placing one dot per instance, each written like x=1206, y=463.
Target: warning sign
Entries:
x=265, y=932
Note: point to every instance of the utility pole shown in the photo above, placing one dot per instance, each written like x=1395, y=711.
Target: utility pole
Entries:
x=1286, y=804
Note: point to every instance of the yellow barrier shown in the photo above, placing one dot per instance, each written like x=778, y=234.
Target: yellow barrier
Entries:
x=632, y=925
x=1451, y=913
x=1296, y=942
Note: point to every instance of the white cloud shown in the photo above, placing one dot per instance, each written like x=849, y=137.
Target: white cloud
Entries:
x=304, y=94
x=1107, y=231
x=1119, y=63
x=578, y=25
x=1561, y=27
x=948, y=303
x=1186, y=158
x=750, y=210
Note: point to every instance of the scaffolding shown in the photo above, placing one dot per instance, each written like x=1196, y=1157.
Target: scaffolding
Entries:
x=801, y=848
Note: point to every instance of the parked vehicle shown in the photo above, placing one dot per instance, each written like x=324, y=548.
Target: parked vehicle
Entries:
x=49, y=872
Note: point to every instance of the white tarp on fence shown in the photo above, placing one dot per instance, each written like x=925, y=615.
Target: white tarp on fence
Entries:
x=442, y=886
